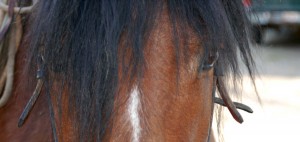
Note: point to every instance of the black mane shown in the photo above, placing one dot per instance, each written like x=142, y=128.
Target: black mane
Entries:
x=78, y=41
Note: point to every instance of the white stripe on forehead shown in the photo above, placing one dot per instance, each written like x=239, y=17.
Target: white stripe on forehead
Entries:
x=133, y=111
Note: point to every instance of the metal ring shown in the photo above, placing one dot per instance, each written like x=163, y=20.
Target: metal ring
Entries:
x=19, y=10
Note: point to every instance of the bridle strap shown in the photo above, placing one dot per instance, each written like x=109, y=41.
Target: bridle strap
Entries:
x=236, y=104
x=40, y=75
x=31, y=102
x=228, y=102
x=225, y=99
x=40, y=83
x=218, y=84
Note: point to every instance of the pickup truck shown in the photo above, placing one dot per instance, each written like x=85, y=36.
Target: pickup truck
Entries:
x=272, y=14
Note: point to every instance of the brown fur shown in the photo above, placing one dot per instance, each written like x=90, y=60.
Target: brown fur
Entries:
x=169, y=111
x=37, y=126
x=168, y=115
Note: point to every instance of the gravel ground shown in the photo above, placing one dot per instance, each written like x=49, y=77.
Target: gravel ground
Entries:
x=277, y=117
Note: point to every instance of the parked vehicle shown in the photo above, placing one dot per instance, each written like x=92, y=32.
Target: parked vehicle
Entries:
x=272, y=14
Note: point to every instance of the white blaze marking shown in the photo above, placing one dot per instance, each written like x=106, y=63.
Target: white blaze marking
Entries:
x=133, y=107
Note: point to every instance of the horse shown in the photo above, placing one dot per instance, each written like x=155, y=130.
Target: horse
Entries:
x=115, y=70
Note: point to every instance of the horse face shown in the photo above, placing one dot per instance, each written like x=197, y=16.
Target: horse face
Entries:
x=171, y=100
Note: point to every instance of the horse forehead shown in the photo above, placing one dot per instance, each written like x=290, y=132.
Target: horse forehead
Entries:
x=169, y=46
x=174, y=31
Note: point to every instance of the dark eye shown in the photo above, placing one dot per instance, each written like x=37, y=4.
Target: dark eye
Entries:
x=210, y=61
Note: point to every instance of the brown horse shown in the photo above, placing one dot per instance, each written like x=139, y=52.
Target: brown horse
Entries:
x=115, y=70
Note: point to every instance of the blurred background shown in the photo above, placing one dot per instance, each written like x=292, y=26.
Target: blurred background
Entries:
x=277, y=117
x=276, y=39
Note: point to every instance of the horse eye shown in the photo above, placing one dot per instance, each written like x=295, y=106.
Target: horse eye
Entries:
x=210, y=61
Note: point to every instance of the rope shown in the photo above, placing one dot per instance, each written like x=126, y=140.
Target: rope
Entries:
x=10, y=69
x=20, y=10
x=13, y=36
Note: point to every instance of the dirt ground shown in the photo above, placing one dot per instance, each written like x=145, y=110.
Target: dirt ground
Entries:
x=277, y=118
